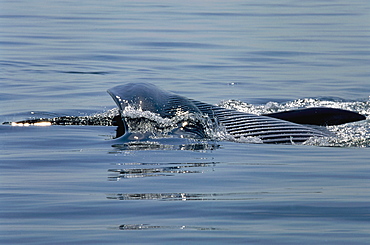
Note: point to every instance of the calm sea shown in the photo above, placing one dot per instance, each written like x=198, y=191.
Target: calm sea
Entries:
x=75, y=185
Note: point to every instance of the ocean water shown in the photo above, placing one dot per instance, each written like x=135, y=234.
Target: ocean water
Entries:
x=77, y=185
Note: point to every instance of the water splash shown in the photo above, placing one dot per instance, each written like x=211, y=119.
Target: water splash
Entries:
x=183, y=124
x=362, y=107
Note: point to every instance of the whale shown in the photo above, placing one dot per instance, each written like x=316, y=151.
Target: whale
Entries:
x=288, y=127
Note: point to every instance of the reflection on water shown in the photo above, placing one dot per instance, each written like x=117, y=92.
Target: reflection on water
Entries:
x=172, y=169
x=156, y=227
x=187, y=196
x=153, y=145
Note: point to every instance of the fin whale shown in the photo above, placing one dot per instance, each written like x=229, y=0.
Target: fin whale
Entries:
x=284, y=127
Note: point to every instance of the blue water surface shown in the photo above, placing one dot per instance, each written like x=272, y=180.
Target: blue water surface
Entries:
x=77, y=185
